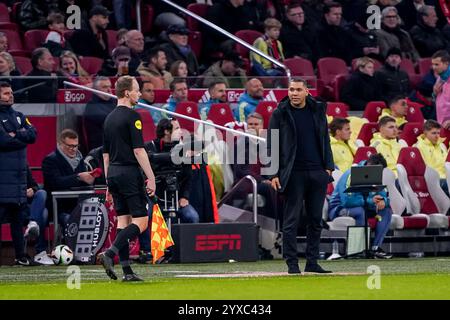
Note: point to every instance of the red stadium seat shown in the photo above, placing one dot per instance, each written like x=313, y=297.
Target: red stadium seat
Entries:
x=20, y=53
x=363, y=153
x=15, y=11
x=410, y=132
x=414, y=114
x=91, y=64
x=9, y=26
x=35, y=38
x=14, y=39
x=366, y=133
x=337, y=109
x=148, y=126
x=248, y=36
x=23, y=64
x=199, y=9
x=195, y=41
x=300, y=67
x=328, y=70
x=4, y=13
x=220, y=113
x=373, y=110
x=445, y=134
x=337, y=85
x=421, y=189
x=424, y=66
x=112, y=39
x=147, y=16
x=190, y=109
x=266, y=108
x=408, y=66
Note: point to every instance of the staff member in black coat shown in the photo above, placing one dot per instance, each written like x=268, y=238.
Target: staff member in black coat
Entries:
x=124, y=156
x=305, y=165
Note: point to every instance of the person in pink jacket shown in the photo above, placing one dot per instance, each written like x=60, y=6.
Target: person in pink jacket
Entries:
x=440, y=64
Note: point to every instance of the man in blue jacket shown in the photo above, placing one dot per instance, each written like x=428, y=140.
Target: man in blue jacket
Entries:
x=16, y=133
x=353, y=204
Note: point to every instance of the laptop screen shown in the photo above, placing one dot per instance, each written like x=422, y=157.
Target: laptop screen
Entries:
x=366, y=175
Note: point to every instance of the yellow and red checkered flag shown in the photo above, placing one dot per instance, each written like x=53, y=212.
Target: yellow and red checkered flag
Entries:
x=160, y=237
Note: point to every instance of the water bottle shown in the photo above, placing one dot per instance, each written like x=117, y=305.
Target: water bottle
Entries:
x=335, y=247
x=418, y=254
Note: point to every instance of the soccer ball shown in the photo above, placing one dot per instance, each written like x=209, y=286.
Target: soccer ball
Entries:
x=62, y=255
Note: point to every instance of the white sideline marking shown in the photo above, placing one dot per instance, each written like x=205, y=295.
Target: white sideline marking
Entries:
x=265, y=274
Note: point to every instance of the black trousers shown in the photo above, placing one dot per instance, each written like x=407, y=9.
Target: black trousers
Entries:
x=308, y=189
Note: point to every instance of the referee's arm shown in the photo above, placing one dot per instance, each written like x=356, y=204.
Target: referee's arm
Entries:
x=106, y=163
x=142, y=157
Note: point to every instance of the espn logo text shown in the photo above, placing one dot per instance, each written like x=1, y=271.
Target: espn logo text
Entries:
x=218, y=242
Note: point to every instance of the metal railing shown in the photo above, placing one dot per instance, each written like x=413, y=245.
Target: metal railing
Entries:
x=255, y=195
x=229, y=35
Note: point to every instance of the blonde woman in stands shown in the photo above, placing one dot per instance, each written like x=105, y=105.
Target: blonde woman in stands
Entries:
x=8, y=71
x=70, y=67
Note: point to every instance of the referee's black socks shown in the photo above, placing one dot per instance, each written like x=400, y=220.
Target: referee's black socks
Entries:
x=124, y=256
x=121, y=242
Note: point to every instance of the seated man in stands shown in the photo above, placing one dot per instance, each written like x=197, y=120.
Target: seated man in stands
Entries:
x=248, y=101
x=246, y=151
x=385, y=142
x=341, y=146
x=397, y=109
x=148, y=97
x=227, y=70
x=354, y=205
x=217, y=94
x=433, y=150
x=154, y=69
x=97, y=109
x=179, y=93
x=64, y=169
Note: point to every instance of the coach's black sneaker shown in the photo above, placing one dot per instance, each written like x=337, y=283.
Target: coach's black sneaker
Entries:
x=108, y=264
x=315, y=268
x=294, y=269
x=131, y=277
x=24, y=261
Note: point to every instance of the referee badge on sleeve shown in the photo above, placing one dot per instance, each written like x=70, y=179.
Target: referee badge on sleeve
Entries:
x=138, y=124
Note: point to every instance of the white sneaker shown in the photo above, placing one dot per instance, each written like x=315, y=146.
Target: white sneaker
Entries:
x=44, y=259
x=32, y=230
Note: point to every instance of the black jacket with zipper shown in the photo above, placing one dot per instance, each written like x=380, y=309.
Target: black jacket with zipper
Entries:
x=283, y=120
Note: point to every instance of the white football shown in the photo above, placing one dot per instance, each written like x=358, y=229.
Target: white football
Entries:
x=62, y=254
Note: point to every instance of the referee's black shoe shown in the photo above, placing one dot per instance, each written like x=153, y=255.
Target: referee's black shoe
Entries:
x=131, y=277
x=108, y=264
x=315, y=268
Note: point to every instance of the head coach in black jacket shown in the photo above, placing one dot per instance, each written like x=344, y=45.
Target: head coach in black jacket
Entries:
x=305, y=166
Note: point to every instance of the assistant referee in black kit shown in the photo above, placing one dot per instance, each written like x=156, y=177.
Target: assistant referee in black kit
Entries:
x=124, y=156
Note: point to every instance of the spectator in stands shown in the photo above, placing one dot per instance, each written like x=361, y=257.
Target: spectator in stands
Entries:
x=343, y=149
x=154, y=69
x=44, y=86
x=92, y=40
x=119, y=64
x=299, y=39
x=37, y=215
x=228, y=70
x=179, y=93
x=148, y=97
x=178, y=48
x=121, y=36
x=409, y=10
x=248, y=101
x=397, y=109
x=179, y=69
x=16, y=133
x=363, y=40
x=64, y=169
x=217, y=94
x=441, y=90
x=392, y=36
x=56, y=42
x=392, y=79
x=354, y=205
x=333, y=39
x=426, y=36
x=362, y=86
x=33, y=13
x=386, y=143
x=247, y=162
x=228, y=15
x=271, y=46
x=96, y=111
x=168, y=135
x=70, y=67
x=433, y=149
x=8, y=72
x=134, y=39
x=3, y=42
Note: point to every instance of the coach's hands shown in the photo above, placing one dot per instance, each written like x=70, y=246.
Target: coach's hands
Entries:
x=276, y=184
x=150, y=186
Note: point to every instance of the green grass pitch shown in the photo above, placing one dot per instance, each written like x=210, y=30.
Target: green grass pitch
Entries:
x=427, y=278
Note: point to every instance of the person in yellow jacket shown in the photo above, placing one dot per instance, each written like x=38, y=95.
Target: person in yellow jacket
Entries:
x=433, y=150
x=397, y=109
x=271, y=46
x=385, y=142
x=341, y=146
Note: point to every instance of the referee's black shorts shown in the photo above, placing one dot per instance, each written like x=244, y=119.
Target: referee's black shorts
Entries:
x=126, y=185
